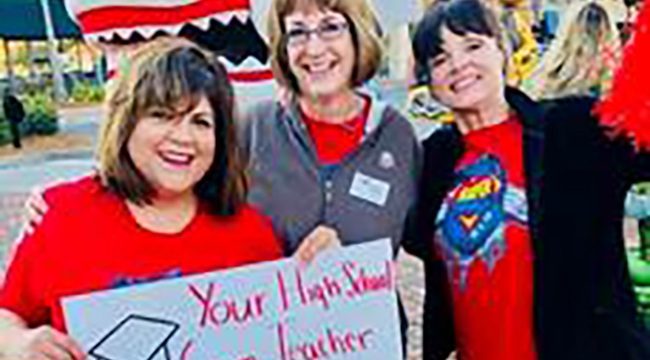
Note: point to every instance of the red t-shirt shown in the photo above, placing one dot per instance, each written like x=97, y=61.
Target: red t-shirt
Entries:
x=335, y=141
x=89, y=241
x=483, y=238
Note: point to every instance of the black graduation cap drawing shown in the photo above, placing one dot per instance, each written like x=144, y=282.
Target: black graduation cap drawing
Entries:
x=136, y=337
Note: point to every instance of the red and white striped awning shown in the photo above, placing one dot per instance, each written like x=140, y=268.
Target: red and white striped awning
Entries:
x=103, y=19
x=107, y=20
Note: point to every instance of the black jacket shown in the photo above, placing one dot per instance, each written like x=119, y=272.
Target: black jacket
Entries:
x=576, y=181
x=13, y=109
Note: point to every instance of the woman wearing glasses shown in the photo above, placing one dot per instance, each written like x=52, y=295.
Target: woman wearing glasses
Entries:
x=331, y=165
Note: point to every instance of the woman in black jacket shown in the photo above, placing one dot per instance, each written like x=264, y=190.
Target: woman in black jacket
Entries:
x=519, y=217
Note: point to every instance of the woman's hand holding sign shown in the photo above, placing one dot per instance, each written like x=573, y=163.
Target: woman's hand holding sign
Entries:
x=320, y=239
x=42, y=343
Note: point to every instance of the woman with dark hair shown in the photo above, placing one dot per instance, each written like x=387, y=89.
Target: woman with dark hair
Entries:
x=519, y=215
x=332, y=165
x=168, y=200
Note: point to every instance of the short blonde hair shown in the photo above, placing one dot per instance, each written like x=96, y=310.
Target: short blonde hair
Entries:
x=163, y=75
x=364, y=29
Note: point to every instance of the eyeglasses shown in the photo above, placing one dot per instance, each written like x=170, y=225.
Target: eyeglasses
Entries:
x=326, y=31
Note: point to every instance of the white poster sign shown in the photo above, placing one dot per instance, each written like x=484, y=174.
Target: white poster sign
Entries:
x=342, y=306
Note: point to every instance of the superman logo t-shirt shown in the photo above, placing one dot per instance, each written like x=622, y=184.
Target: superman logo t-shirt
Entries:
x=482, y=235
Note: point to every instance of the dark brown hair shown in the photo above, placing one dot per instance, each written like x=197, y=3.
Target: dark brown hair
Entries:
x=460, y=17
x=166, y=73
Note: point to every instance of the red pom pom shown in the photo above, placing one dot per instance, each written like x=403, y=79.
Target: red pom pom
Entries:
x=626, y=109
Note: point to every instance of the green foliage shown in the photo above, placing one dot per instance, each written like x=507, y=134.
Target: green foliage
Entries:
x=5, y=134
x=40, y=118
x=86, y=92
x=642, y=188
x=39, y=103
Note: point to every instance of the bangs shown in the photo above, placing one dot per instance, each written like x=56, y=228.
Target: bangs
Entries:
x=363, y=29
x=168, y=77
x=286, y=7
x=460, y=17
x=469, y=17
x=175, y=82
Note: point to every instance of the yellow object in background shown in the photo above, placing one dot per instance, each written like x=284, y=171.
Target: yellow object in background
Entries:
x=422, y=106
x=525, y=52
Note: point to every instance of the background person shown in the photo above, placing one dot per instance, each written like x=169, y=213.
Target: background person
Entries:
x=583, y=56
x=14, y=113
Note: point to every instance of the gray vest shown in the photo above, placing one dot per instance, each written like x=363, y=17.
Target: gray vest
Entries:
x=365, y=197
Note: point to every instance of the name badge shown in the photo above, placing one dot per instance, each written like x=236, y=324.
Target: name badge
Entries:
x=370, y=189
